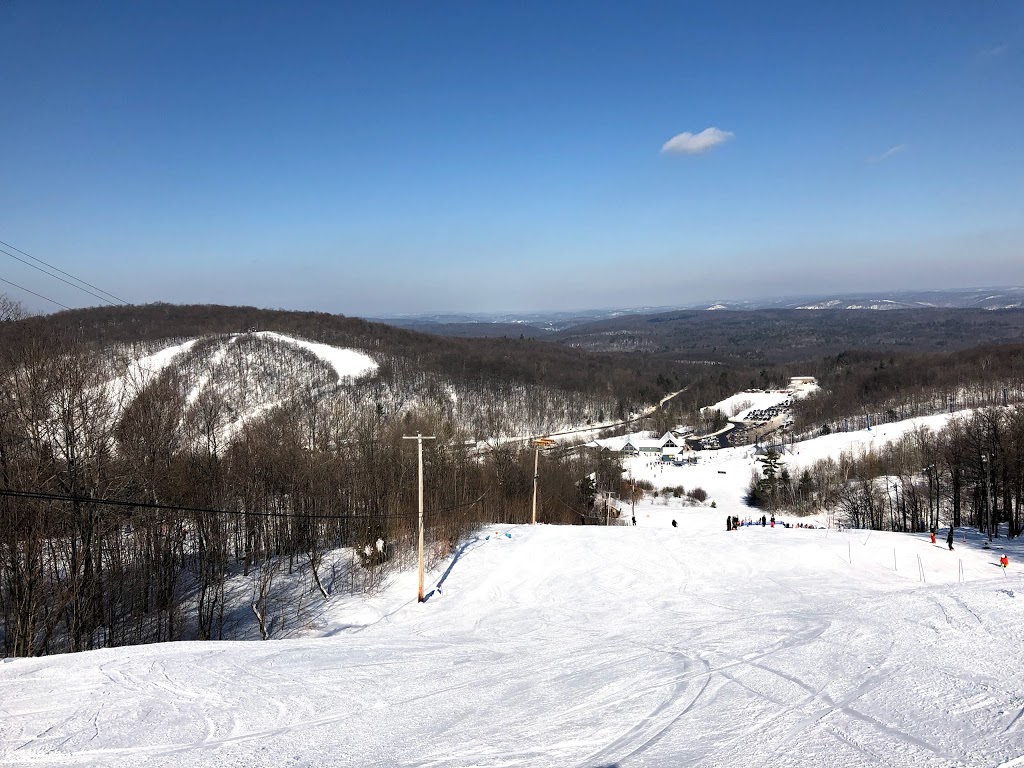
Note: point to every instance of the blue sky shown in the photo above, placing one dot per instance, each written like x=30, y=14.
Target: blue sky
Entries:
x=385, y=158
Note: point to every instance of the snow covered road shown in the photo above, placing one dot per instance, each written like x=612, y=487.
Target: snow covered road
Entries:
x=571, y=646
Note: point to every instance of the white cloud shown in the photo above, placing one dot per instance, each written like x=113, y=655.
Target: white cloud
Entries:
x=993, y=52
x=687, y=143
x=887, y=154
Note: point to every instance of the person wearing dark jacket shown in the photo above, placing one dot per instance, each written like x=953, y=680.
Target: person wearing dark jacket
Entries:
x=949, y=538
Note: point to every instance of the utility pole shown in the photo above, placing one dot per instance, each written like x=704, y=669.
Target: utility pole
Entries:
x=632, y=495
x=419, y=443
x=610, y=496
x=988, y=496
x=538, y=445
x=929, y=469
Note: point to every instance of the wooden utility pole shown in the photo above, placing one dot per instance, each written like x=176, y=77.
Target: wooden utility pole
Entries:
x=538, y=445
x=988, y=495
x=419, y=443
x=632, y=496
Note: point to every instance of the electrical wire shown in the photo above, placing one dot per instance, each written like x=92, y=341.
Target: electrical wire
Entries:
x=58, y=269
x=40, y=496
x=68, y=282
x=23, y=288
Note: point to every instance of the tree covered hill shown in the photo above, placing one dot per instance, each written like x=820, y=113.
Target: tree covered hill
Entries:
x=629, y=382
x=769, y=336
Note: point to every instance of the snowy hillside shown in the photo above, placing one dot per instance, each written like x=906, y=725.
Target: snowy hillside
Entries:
x=587, y=646
x=724, y=474
x=236, y=377
x=230, y=379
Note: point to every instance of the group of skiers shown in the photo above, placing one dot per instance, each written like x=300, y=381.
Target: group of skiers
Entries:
x=732, y=522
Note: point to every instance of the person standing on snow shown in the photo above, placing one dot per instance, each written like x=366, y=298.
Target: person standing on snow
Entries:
x=949, y=538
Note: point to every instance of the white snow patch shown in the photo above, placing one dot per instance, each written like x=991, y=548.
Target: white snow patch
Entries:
x=348, y=363
x=748, y=401
x=142, y=371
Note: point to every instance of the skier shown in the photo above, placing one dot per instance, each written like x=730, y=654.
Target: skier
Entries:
x=674, y=524
x=728, y=522
x=764, y=521
x=634, y=519
x=932, y=532
x=1004, y=561
x=773, y=521
x=949, y=538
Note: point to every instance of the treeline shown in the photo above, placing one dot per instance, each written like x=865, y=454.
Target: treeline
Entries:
x=968, y=473
x=303, y=478
x=861, y=387
x=231, y=376
x=630, y=381
x=777, y=336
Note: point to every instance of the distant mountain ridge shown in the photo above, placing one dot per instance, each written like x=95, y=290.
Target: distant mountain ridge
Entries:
x=537, y=324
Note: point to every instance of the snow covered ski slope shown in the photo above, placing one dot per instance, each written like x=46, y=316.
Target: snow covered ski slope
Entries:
x=582, y=646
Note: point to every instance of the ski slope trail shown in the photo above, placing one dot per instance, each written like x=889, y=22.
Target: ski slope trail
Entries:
x=582, y=646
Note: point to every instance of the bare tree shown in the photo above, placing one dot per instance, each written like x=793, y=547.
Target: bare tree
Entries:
x=11, y=309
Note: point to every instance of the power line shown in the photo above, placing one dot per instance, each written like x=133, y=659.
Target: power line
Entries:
x=67, y=282
x=41, y=496
x=66, y=274
x=20, y=287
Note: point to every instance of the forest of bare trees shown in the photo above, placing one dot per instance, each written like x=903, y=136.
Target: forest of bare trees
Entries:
x=860, y=388
x=969, y=473
x=129, y=508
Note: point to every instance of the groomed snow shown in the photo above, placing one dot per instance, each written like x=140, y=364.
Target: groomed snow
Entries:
x=156, y=362
x=142, y=371
x=348, y=363
x=862, y=440
x=588, y=646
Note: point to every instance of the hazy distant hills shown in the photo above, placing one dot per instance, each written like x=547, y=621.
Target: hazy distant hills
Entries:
x=769, y=331
x=539, y=324
x=786, y=335
x=975, y=298
x=529, y=323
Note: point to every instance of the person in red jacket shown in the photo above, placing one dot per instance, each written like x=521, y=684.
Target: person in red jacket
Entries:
x=1004, y=561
